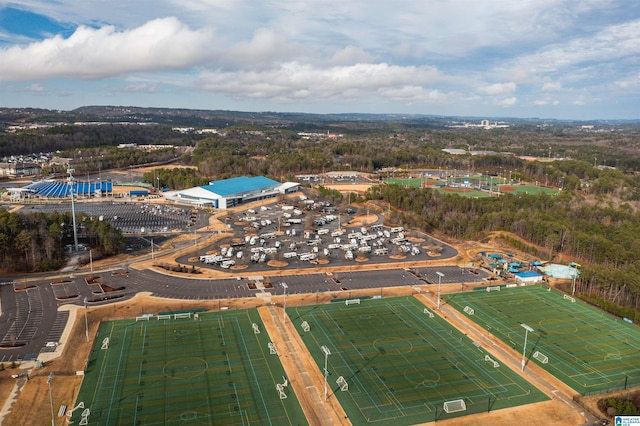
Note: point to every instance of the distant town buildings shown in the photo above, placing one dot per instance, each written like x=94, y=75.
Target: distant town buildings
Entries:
x=18, y=168
x=309, y=135
x=484, y=124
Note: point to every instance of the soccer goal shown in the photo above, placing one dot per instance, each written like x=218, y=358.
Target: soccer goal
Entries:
x=495, y=363
x=182, y=315
x=142, y=318
x=256, y=329
x=469, y=310
x=84, y=419
x=272, y=349
x=305, y=326
x=280, y=389
x=163, y=316
x=567, y=297
x=105, y=343
x=454, y=406
x=352, y=302
x=344, y=386
x=493, y=288
x=70, y=412
x=541, y=357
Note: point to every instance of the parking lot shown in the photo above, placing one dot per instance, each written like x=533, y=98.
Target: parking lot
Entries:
x=138, y=217
x=304, y=234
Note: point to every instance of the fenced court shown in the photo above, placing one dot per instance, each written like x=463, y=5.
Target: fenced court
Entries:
x=205, y=368
x=391, y=363
x=589, y=350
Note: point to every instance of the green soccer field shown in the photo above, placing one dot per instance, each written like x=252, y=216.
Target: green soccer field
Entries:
x=213, y=369
x=495, y=186
x=589, y=350
x=401, y=364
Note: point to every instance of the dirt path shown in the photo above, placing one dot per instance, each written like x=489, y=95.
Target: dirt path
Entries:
x=304, y=375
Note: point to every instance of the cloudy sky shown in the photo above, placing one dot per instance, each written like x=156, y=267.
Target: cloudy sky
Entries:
x=576, y=59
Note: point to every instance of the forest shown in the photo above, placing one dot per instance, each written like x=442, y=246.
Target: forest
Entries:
x=38, y=242
x=594, y=220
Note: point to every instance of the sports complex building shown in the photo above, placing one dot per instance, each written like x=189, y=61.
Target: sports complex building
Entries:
x=49, y=188
x=222, y=194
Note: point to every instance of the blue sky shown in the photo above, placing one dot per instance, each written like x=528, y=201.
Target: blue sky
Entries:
x=577, y=59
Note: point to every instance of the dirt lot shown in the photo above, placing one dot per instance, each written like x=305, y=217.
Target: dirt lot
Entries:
x=32, y=407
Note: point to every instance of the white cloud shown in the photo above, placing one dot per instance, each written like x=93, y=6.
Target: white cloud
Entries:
x=305, y=80
x=350, y=55
x=546, y=101
x=415, y=94
x=580, y=101
x=88, y=53
x=507, y=102
x=265, y=47
x=498, y=89
x=457, y=54
x=551, y=86
x=630, y=82
x=140, y=88
x=35, y=88
x=610, y=43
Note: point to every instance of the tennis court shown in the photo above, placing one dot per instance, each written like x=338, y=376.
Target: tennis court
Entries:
x=400, y=364
x=589, y=350
x=208, y=368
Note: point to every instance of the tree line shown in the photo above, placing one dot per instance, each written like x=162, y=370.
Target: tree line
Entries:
x=36, y=242
x=602, y=236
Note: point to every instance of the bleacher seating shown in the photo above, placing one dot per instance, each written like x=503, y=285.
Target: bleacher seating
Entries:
x=53, y=189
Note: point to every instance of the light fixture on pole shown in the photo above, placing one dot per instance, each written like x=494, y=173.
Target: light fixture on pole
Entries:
x=53, y=420
x=86, y=322
x=73, y=211
x=326, y=352
x=285, y=286
x=527, y=329
x=440, y=275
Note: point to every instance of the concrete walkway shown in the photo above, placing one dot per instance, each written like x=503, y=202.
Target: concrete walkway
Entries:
x=15, y=392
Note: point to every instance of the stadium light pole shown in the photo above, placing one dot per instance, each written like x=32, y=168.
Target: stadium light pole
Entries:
x=53, y=420
x=527, y=329
x=326, y=352
x=86, y=321
x=285, y=286
x=440, y=275
x=73, y=211
x=573, y=286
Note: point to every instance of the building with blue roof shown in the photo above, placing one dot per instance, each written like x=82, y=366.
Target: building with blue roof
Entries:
x=527, y=277
x=223, y=194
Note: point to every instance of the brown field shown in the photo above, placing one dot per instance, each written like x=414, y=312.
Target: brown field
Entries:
x=460, y=190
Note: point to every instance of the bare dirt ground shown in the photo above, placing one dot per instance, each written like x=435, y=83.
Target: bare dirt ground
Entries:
x=32, y=407
x=347, y=187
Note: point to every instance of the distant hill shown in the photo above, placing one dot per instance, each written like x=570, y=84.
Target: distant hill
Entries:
x=290, y=120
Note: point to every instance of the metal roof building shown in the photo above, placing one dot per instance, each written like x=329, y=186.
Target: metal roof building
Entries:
x=222, y=194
